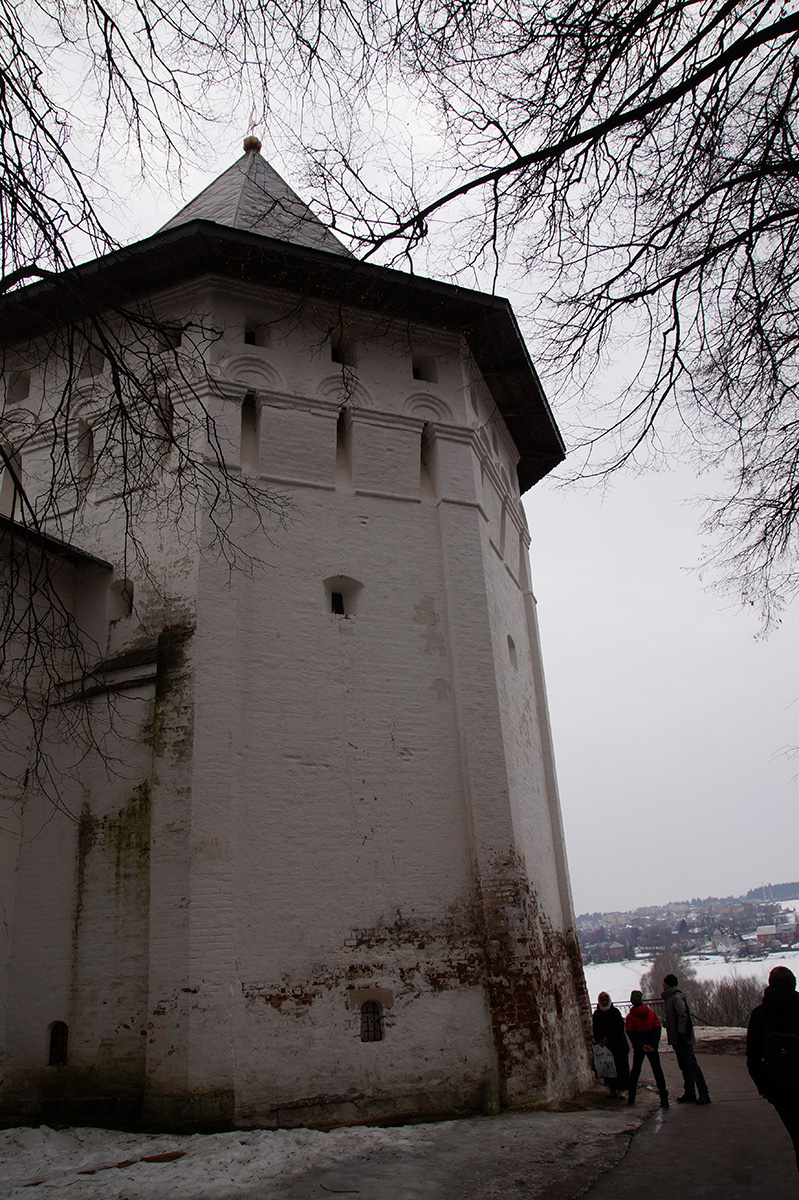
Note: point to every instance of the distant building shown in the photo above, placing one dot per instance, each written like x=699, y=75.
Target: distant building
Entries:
x=786, y=932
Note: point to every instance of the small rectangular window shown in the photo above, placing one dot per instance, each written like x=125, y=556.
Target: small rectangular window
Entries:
x=371, y=1022
x=424, y=367
x=337, y=603
x=169, y=336
x=343, y=351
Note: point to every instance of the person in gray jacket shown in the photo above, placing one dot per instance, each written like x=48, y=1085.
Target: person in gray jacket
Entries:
x=680, y=1033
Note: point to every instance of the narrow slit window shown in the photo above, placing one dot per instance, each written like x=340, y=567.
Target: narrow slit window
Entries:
x=344, y=450
x=249, y=337
x=10, y=480
x=166, y=419
x=371, y=1022
x=250, y=435
x=59, y=1044
x=337, y=603
x=85, y=449
x=427, y=467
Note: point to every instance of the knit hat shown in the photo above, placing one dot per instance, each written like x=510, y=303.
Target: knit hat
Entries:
x=782, y=977
x=636, y=998
x=670, y=980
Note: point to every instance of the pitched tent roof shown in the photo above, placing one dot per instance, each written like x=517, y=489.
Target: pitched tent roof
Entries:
x=228, y=231
x=251, y=196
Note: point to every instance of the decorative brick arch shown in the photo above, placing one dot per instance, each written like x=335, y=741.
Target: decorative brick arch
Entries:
x=251, y=371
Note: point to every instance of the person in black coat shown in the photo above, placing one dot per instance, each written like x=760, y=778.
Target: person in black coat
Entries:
x=609, y=1031
x=778, y=1015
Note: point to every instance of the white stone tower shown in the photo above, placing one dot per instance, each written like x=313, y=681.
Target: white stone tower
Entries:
x=325, y=880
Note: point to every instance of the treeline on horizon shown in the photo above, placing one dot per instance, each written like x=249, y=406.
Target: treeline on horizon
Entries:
x=765, y=893
x=774, y=891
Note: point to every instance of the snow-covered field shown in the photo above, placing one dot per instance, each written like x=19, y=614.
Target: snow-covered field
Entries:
x=618, y=979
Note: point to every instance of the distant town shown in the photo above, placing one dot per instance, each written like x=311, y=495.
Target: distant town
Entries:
x=737, y=927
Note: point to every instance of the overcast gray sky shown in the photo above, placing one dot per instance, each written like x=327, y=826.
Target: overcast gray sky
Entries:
x=669, y=716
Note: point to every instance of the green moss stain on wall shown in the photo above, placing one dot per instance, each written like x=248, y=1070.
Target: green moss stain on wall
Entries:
x=127, y=835
x=87, y=836
x=171, y=728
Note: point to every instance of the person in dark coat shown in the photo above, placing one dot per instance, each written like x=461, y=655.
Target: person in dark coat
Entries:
x=643, y=1030
x=609, y=1031
x=680, y=1032
x=778, y=1014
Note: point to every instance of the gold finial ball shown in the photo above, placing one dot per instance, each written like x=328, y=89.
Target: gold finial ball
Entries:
x=251, y=143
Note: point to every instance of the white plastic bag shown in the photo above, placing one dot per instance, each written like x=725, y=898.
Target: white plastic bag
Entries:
x=604, y=1063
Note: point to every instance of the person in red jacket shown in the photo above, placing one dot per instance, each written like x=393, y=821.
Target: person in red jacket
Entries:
x=643, y=1030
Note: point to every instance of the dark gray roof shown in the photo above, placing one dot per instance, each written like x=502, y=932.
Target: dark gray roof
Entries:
x=251, y=196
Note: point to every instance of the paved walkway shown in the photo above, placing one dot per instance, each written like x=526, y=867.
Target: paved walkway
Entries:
x=734, y=1149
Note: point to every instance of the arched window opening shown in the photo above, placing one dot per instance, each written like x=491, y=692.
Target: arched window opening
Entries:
x=371, y=1021
x=428, y=466
x=344, y=449
x=85, y=456
x=250, y=435
x=59, y=1044
x=424, y=367
x=503, y=524
x=10, y=483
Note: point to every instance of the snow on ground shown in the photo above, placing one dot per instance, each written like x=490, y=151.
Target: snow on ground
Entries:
x=98, y=1164
x=619, y=978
